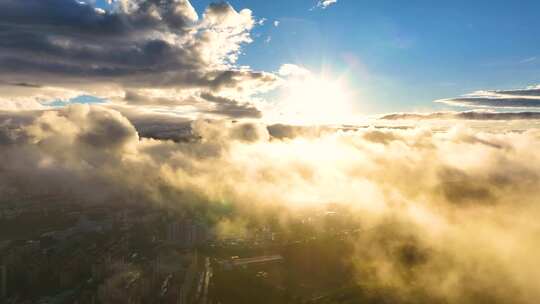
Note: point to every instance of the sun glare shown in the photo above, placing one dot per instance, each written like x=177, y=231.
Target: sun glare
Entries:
x=317, y=99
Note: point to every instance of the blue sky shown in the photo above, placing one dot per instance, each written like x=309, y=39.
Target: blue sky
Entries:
x=401, y=56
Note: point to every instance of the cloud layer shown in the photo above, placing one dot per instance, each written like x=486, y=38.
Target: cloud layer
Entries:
x=465, y=231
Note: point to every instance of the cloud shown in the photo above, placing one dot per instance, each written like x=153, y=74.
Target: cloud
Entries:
x=197, y=102
x=230, y=107
x=137, y=45
x=464, y=232
x=293, y=70
x=276, y=23
x=159, y=126
x=325, y=3
x=519, y=98
x=468, y=115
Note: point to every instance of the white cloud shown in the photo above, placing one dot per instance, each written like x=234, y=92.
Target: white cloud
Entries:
x=325, y=3
x=293, y=70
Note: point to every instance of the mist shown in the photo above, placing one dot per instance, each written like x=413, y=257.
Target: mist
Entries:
x=447, y=217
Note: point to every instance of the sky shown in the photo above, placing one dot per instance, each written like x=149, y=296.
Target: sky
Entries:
x=408, y=54
x=388, y=57
x=401, y=56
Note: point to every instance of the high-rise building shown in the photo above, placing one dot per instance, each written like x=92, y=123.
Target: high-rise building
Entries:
x=186, y=233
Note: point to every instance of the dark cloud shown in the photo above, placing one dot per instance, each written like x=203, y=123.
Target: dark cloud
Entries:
x=67, y=39
x=458, y=187
x=488, y=102
x=205, y=102
x=469, y=115
x=137, y=99
x=525, y=92
x=220, y=9
x=520, y=98
x=250, y=132
x=157, y=44
x=230, y=107
x=160, y=126
x=105, y=130
x=381, y=137
x=10, y=126
x=283, y=131
x=26, y=85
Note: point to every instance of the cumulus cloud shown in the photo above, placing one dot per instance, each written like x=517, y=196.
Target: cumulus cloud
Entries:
x=293, y=70
x=159, y=126
x=519, y=98
x=138, y=44
x=464, y=232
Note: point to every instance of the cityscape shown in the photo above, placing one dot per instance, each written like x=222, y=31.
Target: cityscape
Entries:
x=86, y=253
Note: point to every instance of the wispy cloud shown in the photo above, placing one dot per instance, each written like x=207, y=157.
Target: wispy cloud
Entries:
x=467, y=115
x=529, y=60
x=518, y=98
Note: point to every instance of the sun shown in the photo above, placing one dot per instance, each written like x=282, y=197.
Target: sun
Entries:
x=316, y=99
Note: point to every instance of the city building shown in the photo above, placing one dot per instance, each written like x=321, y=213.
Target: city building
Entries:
x=186, y=233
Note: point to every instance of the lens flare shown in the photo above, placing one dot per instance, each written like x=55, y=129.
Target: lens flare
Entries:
x=316, y=99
